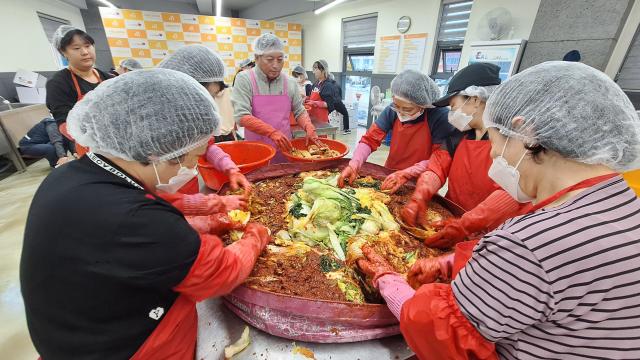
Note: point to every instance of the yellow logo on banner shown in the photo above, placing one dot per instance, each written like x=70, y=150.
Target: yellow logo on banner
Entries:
x=156, y=61
x=154, y=25
x=132, y=14
x=171, y=17
x=282, y=34
x=239, y=39
x=295, y=42
x=224, y=30
x=158, y=44
x=141, y=53
x=240, y=55
x=253, y=32
x=295, y=27
x=267, y=25
x=238, y=22
x=113, y=23
x=225, y=47
x=175, y=35
x=295, y=57
x=137, y=34
x=190, y=28
x=209, y=37
x=118, y=42
x=206, y=20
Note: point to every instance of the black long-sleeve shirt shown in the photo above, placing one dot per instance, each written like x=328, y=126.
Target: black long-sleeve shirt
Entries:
x=62, y=94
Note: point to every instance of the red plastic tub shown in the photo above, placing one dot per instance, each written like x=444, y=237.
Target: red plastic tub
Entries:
x=300, y=144
x=248, y=155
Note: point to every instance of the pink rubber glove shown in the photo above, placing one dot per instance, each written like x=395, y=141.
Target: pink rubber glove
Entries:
x=238, y=180
x=395, y=291
x=394, y=181
x=220, y=160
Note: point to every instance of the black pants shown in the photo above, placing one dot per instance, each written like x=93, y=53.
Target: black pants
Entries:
x=41, y=150
x=339, y=106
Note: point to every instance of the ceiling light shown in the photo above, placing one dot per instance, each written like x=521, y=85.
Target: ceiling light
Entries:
x=218, y=7
x=108, y=3
x=328, y=6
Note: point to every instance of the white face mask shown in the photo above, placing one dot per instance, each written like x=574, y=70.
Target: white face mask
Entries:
x=508, y=177
x=405, y=118
x=174, y=184
x=460, y=120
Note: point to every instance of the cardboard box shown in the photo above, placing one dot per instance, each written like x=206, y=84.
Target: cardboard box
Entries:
x=31, y=87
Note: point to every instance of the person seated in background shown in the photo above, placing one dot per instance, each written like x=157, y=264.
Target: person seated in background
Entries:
x=561, y=281
x=304, y=85
x=44, y=140
x=244, y=65
x=109, y=270
x=207, y=68
x=419, y=130
x=127, y=65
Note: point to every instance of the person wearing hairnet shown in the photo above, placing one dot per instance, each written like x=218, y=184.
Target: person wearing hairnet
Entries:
x=264, y=97
x=326, y=96
x=560, y=281
x=127, y=65
x=68, y=86
x=469, y=185
x=207, y=68
x=304, y=85
x=245, y=64
x=122, y=279
x=420, y=131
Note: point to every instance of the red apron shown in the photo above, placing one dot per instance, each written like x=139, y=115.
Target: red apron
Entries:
x=80, y=150
x=273, y=110
x=431, y=322
x=469, y=182
x=317, y=113
x=410, y=143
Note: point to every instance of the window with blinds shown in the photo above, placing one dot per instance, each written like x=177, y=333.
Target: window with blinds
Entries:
x=454, y=21
x=359, y=32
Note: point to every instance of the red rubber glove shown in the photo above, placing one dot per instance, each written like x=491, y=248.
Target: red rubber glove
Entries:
x=281, y=141
x=234, y=202
x=260, y=127
x=316, y=103
x=416, y=211
x=216, y=224
x=394, y=181
x=426, y=271
x=374, y=265
x=348, y=173
x=493, y=211
x=237, y=180
x=304, y=121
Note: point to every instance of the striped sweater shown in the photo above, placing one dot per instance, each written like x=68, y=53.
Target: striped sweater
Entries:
x=560, y=283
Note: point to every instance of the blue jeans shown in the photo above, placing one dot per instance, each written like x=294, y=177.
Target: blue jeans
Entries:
x=41, y=150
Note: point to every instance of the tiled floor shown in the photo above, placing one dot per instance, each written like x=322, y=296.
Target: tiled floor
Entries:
x=16, y=193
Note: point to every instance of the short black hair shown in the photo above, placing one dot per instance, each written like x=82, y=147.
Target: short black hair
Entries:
x=220, y=83
x=68, y=38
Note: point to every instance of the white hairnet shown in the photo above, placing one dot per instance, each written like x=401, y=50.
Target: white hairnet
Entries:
x=325, y=69
x=61, y=31
x=197, y=61
x=482, y=92
x=145, y=115
x=416, y=87
x=572, y=109
x=131, y=64
x=245, y=62
x=266, y=43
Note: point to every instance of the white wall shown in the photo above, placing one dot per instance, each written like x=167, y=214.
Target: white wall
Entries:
x=322, y=34
x=23, y=42
x=523, y=13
